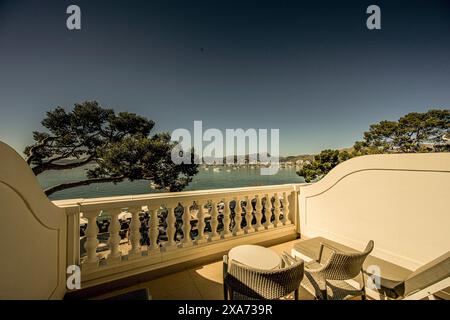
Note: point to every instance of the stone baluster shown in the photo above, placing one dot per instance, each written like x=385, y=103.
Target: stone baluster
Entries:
x=226, y=233
x=114, y=237
x=286, y=219
x=153, y=230
x=237, y=218
x=170, y=220
x=186, y=241
x=249, y=215
x=214, y=222
x=277, y=212
x=201, y=223
x=268, y=213
x=134, y=234
x=258, y=213
x=91, y=240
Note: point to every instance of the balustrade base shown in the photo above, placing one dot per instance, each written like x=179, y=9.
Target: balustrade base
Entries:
x=186, y=244
x=201, y=241
x=153, y=252
x=238, y=233
x=278, y=224
x=170, y=248
x=214, y=238
x=153, y=256
x=134, y=255
x=89, y=266
x=227, y=235
x=113, y=260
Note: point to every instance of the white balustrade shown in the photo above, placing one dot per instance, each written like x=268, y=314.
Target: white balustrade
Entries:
x=258, y=213
x=249, y=216
x=114, y=237
x=286, y=220
x=201, y=223
x=91, y=243
x=186, y=241
x=268, y=211
x=153, y=230
x=226, y=233
x=170, y=220
x=214, y=235
x=135, y=235
x=277, y=212
x=208, y=205
x=237, y=230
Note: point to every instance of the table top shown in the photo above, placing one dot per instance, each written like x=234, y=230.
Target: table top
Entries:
x=257, y=257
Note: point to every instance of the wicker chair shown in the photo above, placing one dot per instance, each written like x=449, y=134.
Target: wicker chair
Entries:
x=327, y=280
x=245, y=283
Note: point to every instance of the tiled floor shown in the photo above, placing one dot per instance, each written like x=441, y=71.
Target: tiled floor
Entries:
x=200, y=283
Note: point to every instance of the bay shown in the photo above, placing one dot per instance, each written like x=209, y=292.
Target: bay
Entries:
x=204, y=180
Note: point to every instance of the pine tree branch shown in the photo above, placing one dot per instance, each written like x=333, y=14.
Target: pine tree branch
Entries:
x=86, y=182
x=52, y=166
x=36, y=147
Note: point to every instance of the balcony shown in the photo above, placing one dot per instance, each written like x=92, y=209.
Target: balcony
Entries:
x=399, y=201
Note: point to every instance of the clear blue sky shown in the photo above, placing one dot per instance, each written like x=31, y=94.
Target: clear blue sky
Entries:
x=309, y=68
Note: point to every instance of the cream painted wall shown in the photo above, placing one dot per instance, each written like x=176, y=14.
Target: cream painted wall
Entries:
x=33, y=237
x=402, y=202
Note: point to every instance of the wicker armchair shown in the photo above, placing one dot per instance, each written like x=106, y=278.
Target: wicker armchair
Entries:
x=327, y=280
x=245, y=283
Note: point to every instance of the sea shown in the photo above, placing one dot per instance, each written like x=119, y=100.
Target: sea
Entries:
x=205, y=179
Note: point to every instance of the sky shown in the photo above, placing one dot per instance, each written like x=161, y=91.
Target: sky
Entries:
x=311, y=69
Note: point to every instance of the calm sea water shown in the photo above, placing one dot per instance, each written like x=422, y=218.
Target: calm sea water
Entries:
x=205, y=179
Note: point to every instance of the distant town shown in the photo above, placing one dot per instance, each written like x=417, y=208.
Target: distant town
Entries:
x=285, y=162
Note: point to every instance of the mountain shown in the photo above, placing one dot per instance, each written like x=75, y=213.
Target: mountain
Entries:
x=303, y=157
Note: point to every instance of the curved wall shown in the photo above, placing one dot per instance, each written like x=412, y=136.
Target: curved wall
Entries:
x=401, y=201
x=33, y=237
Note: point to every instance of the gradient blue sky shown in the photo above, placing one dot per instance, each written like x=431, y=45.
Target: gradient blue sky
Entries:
x=309, y=68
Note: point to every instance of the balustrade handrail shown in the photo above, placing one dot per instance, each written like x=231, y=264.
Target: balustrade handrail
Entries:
x=169, y=197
